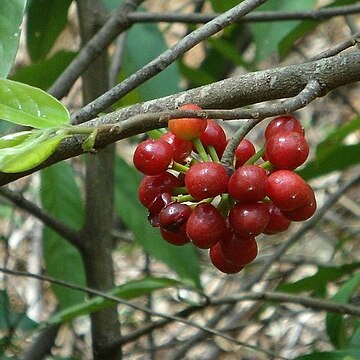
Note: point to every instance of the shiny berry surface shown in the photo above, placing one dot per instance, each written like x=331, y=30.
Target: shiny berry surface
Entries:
x=152, y=186
x=214, y=135
x=173, y=216
x=181, y=148
x=284, y=123
x=304, y=212
x=188, y=128
x=277, y=222
x=218, y=260
x=238, y=250
x=249, y=219
x=177, y=238
x=205, y=226
x=153, y=157
x=248, y=183
x=205, y=180
x=287, y=150
x=288, y=190
x=244, y=151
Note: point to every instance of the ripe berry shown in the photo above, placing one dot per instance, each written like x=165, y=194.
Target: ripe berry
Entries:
x=214, y=135
x=249, y=219
x=282, y=124
x=304, y=212
x=181, y=148
x=218, y=260
x=205, y=226
x=238, y=250
x=173, y=216
x=248, y=183
x=188, y=128
x=153, y=157
x=244, y=151
x=288, y=190
x=177, y=238
x=152, y=186
x=277, y=222
x=206, y=179
x=156, y=206
x=287, y=150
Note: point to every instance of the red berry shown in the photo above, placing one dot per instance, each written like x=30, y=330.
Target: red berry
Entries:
x=218, y=260
x=173, y=216
x=283, y=123
x=248, y=183
x=177, y=238
x=206, y=179
x=188, y=128
x=238, y=250
x=277, y=222
x=181, y=148
x=205, y=226
x=152, y=186
x=288, y=190
x=249, y=219
x=287, y=150
x=214, y=135
x=156, y=206
x=153, y=157
x=244, y=151
x=304, y=212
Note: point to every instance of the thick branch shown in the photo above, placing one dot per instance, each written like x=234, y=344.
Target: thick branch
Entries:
x=235, y=92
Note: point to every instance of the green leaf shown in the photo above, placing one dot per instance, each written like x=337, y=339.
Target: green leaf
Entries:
x=268, y=35
x=150, y=40
x=338, y=158
x=182, y=260
x=29, y=153
x=127, y=291
x=303, y=28
x=14, y=139
x=355, y=339
x=60, y=196
x=43, y=74
x=45, y=21
x=337, y=327
x=11, y=16
x=222, y=6
x=351, y=354
x=28, y=106
x=316, y=282
x=12, y=319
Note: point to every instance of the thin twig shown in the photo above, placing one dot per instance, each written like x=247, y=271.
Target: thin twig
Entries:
x=260, y=16
x=164, y=60
x=58, y=226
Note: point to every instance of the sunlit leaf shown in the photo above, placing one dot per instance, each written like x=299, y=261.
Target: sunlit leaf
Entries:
x=14, y=139
x=31, y=152
x=11, y=16
x=25, y=105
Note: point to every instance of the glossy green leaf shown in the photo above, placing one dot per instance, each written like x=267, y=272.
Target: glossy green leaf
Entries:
x=11, y=16
x=14, y=139
x=60, y=196
x=31, y=152
x=150, y=40
x=338, y=329
x=303, y=28
x=43, y=74
x=268, y=35
x=127, y=291
x=183, y=260
x=323, y=276
x=45, y=21
x=338, y=158
x=10, y=319
x=25, y=105
x=351, y=354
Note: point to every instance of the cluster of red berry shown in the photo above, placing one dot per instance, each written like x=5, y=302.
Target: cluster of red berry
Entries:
x=193, y=198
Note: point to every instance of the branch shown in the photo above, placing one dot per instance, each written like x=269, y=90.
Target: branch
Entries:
x=116, y=24
x=62, y=229
x=260, y=16
x=255, y=87
x=136, y=307
x=165, y=59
